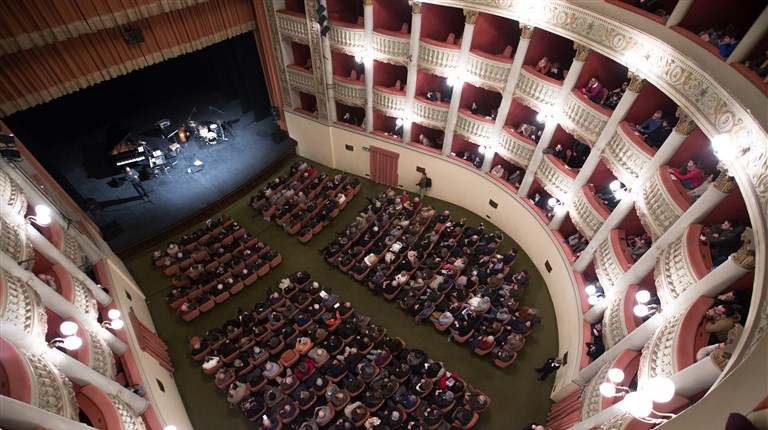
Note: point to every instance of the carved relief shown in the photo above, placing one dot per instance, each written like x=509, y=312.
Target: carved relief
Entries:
x=744, y=257
x=22, y=306
x=514, y=150
x=470, y=16
x=13, y=241
x=724, y=183
x=636, y=83
x=390, y=49
x=685, y=124
x=614, y=328
x=102, y=359
x=316, y=54
x=72, y=250
x=429, y=115
x=51, y=390
x=617, y=422
x=534, y=92
x=582, y=52
x=12, y=194
x=624, y=158
x=585, y=218
x=593, y=400
x=581, y=120
x=491, y=75
x=416, y=7
x=607, y=267
x=553, y=179
x=526, y=31
x=657, y=358
x=83, y=298
x=130, y=419
x=438, y=58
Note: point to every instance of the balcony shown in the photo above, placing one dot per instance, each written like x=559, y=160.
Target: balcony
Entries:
x=477, y=129
x=516, y=148
x=588, y=212
x=582, y=118
x=346, y=37
x=438, y=57
x=349, y=91
x=300, y=79
x=389, y=101
x=65, y=242
x=619, y=318
x=292, y=26
x=612, y=259
x=391, y=46
x=555, y=177
x=22, y=306
x=488, y=71
x=75, y=291
x=626, y=154
x=682, y=264
x=661, y=202
x=429, y=113
x=594, y=402
x=536, y=90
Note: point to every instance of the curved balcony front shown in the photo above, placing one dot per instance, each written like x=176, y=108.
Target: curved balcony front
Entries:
x=107, y=409
x=487, y=70
x=14, y=241
x=429, y=113
x=555, y=177
x=65, y=242
x=612, y=259
x=661, y=202
x=682, y=264
x=347, y=37
x=588, y=212
x=21, y=306
x=12, y=195
x=515, y=148
x=477, y=129
x=349, y=91
x=389, y=101
x=300, y=79
x=292, y=26
x=594, y=402
x=74, y=290
x=439, y=58
x=32, y=379
x=619, y=318
x=536, y=90
x=582, y=118
x=673, y=346
x=391, y=46
x=626, y=154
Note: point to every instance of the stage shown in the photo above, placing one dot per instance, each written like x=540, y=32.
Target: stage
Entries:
x=73, y=136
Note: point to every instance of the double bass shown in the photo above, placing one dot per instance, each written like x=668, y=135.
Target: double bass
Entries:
x=183, y=134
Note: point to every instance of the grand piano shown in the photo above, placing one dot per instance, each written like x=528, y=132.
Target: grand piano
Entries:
x=129, y=151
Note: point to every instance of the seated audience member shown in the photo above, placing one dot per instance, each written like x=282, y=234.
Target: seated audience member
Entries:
x=650, y=124
x=559, y=152
x=648, y=5
x=499, y=171
x=701, y=189
x=760, y=66
x=431, y=95
x=719, y=321
x=614, y=97
x=542, y=66
x=727, y=44
x=724, y=239
x=555, y=72
x=593, y=89
x=657, y=137
x=349, y=119
x=690, y=175
x=474, y=109
x=579, y=155
x=638, y=246
x=577, y=243
x=424, y=140
x=516, y=178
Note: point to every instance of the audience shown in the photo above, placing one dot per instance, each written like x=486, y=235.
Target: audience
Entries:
x=723, y=239
x=614, y=97
x=542, y=66
x=593, y=89
x=652, y=123
x=690, y=175
x=555, y=72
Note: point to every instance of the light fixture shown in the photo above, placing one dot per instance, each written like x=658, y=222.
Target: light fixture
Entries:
x=615, y=185
x=640, y=310
x=724, y=148
x=113, y=324
x=169, y=428
x=399, y=121
x=643, y=296
x=70, y=342
x=661, y=390
x=453, y=79
x=552, y=201
x=114, y=314
x=359, y=58
x=593, y=300
x=616, y=375
x=590, y=290
x=541, y=117
x=640, y=403
x=68, y=328
x=42, y=216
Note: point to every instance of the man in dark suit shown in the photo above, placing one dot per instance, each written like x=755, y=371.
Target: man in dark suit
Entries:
x=552, y=365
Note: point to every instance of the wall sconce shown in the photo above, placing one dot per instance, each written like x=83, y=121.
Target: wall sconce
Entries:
x=359, y=58
x=115, y=322
x=640, y=403
x=454, y=78
x=69, y=341
x=42, y=216
x=726, y=149
x=642, y=309
x=635, y=60
x=618, y=189
x=595, y=293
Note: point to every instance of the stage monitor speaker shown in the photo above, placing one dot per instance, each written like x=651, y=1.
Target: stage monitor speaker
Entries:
x=275, y=113
x=133, y=37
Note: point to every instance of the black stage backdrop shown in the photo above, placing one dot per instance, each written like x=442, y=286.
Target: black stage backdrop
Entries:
x=231, y=69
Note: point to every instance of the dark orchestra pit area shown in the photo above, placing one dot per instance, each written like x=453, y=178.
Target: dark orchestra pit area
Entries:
x=196, y=128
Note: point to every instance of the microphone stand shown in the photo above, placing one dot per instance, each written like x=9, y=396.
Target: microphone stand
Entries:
x=213, y=108
x=190, y=115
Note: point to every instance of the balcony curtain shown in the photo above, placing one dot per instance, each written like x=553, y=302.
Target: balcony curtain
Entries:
x=384, y=166
x=565, y=413
x=151, y=343
x=42, y=73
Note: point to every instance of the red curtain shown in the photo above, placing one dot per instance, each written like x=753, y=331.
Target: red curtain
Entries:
x=565, y=413
x=384, y=166
x=42, y=73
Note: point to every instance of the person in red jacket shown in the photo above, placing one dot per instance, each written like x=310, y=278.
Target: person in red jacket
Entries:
x=593, y=89
x=690, y=176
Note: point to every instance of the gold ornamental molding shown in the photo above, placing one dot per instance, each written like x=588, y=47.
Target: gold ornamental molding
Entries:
x=416, y=7
x=744, y=257
x=636, y=83
x=470, y=16
x=526, y=31
x=724, y=183
x=367, y=2
x=685, y=124
x=582, y=51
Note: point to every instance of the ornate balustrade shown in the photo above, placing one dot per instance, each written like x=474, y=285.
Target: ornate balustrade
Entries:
x=75, y=291
x=292, y=26
x=594, y=401
x=391, y=47
x=661, y=202
x=515, y=148
x=389, y=101
x=612, y=259
x=475, y=128
x=300, y=79
x=588, y=212
x=349, y=91
x=555, y=177
x=22, y=306
x=536, y=90
x=346, y=37
x=626, y=154
x=582, y=118
x=437, y=57
x=12, y=195
x=682, y=264
x=429, y=113
x=487, y=71
x=619, y=318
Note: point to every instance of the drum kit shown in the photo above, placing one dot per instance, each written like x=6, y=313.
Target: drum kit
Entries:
x=209, y=133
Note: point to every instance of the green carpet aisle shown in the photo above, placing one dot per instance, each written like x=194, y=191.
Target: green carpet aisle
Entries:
x=517, y=398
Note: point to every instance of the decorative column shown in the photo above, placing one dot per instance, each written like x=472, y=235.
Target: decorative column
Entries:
x=413, y=68
x=582, y=53
x=684, y=127
x=330, y=100
x=679, y=11
x=368, y=63
x=506, y=96
x=753, y=36
x=470, y=18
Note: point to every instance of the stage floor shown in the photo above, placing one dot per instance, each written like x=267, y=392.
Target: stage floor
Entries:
x=185, y=188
